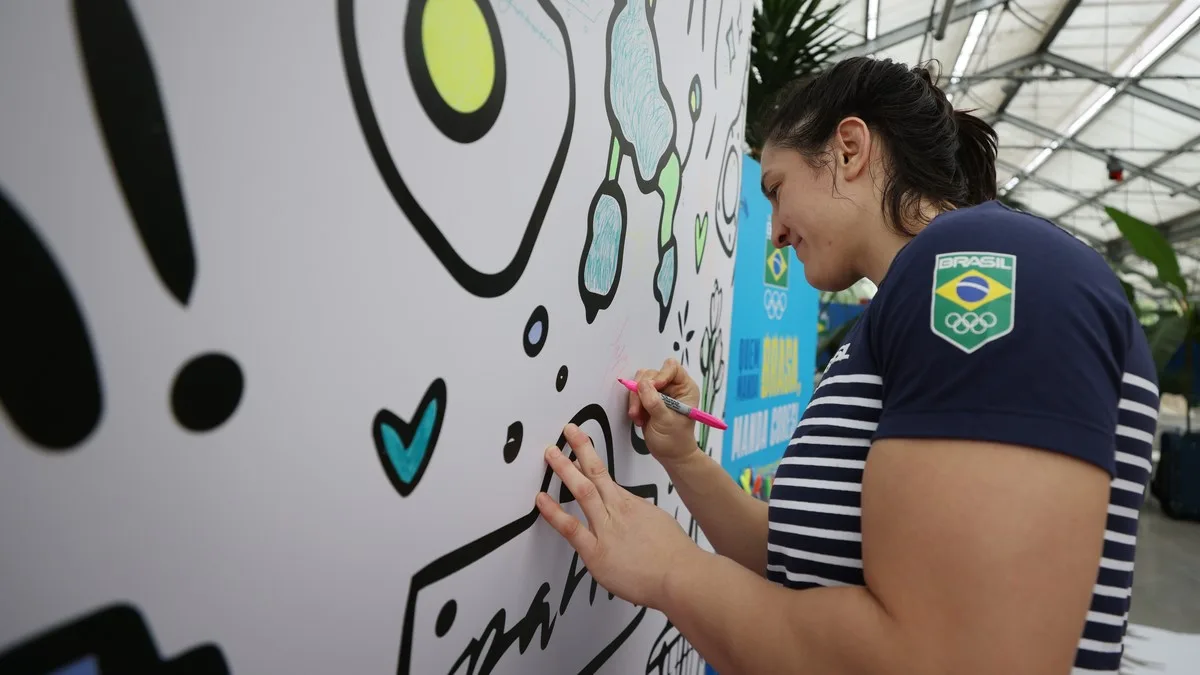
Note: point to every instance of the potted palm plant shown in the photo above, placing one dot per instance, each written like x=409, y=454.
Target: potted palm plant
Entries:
x=791, y=39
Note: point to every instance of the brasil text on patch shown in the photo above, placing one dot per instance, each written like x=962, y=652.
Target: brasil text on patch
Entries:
x=973, y=297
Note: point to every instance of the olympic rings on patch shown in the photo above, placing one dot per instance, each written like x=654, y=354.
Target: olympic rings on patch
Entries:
x=970, y=322
x=775, y=302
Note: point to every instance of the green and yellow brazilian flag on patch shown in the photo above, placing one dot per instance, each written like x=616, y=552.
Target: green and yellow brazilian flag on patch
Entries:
x=973, y=298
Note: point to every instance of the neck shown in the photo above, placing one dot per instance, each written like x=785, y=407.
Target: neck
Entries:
x=878, y=258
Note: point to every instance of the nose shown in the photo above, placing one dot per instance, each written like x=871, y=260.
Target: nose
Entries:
x=779, y=234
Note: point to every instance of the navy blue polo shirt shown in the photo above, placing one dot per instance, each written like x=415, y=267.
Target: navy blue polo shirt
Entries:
x=991, y=325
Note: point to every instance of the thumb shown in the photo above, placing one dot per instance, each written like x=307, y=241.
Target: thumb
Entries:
x=651, y=399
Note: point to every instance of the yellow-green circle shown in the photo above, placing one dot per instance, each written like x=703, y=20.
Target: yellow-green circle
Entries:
x=459, y=53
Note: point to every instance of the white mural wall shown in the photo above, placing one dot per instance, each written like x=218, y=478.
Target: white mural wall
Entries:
x=296, y=293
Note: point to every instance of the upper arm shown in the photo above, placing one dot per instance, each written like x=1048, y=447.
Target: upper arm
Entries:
x=986, y=489
x=984, y=555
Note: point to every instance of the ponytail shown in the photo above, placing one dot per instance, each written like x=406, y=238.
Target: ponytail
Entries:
x=976, y=157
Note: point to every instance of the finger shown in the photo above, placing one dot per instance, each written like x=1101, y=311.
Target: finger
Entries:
x=671, y=372
x=578, y=536
x=590, y=462
x=636, y=413
x=651, y=400
x=584, y=490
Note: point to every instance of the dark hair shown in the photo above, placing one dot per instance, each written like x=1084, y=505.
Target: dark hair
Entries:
x=934, y=152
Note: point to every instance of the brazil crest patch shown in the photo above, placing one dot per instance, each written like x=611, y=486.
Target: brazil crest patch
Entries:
x=973, y=298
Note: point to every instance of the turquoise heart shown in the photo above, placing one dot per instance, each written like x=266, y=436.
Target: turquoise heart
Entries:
x=405, y=448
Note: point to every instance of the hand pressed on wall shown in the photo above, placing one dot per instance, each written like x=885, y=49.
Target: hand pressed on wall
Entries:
x=628, y=544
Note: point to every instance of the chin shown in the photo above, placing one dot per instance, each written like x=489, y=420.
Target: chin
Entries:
x=827, y=282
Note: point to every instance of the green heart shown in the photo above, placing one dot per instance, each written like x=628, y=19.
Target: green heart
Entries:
x=701, y=238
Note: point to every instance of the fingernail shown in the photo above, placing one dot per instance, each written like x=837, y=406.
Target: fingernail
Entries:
x=571, y=428
x=551, y=451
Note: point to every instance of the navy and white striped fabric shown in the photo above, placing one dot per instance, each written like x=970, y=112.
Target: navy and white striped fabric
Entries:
x=1075, y=376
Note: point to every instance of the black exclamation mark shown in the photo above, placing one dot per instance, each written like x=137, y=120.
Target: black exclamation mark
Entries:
x=48, y=379
x=208, y=388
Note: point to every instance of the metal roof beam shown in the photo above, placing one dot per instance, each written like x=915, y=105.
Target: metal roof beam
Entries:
x=915, y=29
x=1140, y=171
x=1099, y=154
x=1061, y=189
x=1043, y=47
x=1096, y=75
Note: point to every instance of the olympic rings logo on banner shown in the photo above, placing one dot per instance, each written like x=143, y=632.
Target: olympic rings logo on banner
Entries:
x=970, y=322
x=775, y=302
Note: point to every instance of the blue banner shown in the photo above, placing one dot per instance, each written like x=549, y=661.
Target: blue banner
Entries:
x=772, y=351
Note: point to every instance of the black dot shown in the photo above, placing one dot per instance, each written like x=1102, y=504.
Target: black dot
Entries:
x=445, y=618
x=206, y=392
x=513, y=444
x=537, y=329
x=560, y=382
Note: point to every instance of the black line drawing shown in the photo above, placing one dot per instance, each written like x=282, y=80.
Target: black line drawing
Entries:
x=129, y=111
x=206, y=392
x=560, y=381
x=112, y=639
x=717, y=42
x=537, y=331
x=473, y=280
x=681, y=345
x=701, y=238
x=671, y=654
x=54, y=346
x=405, y=448
x=637, y=440
x=51, y=386
x=484, y=647
x=712, y=358
x=512, y=441
x=643, y=123
x=729, y=186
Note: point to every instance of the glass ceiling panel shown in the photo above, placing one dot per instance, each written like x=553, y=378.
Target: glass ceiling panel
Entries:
x=1043, y=199
x=852, y=20
x=1076, y=170
x=1100, y=32
x=1184, y=168
x=1015, y=141
x=1149, y=201
x=1184, y=61
x=1129, y=123
x=1093, y=220
x=1048, y=102
x=896, y=13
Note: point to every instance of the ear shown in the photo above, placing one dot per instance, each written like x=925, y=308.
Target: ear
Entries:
x=852, y=147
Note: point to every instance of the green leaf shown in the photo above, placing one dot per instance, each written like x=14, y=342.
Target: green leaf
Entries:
x=790, y=39
x=1166, y=335
x=1149, y=243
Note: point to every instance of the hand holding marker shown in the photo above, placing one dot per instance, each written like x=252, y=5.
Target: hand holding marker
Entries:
x=681, y=407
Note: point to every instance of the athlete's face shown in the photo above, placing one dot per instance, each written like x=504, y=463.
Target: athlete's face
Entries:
x=825, y=208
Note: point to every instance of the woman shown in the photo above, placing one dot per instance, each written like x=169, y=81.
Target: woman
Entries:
x=961, y=494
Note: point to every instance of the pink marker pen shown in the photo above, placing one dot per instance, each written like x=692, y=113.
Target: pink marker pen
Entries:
x=681, y=407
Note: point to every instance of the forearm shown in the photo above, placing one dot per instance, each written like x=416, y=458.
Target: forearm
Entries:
x=734, y=522
x=745, y=625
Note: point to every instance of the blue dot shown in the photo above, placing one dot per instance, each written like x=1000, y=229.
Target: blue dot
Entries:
x=972, y=288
